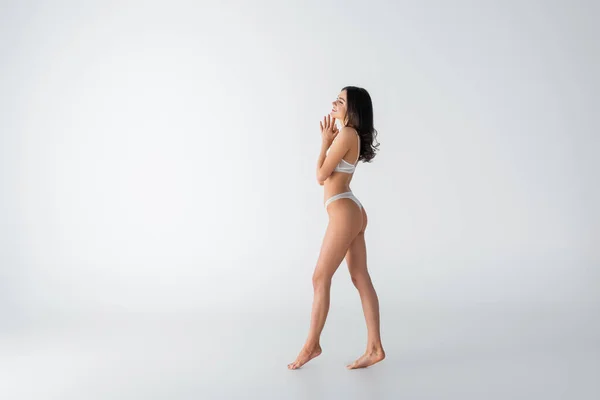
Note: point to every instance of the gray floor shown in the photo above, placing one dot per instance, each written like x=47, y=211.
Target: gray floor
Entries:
x=484, y=352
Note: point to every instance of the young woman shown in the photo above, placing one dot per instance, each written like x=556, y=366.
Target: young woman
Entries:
x=341, y=149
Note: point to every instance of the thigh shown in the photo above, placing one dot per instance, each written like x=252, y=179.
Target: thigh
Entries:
x=356, y=256
x=344, y=224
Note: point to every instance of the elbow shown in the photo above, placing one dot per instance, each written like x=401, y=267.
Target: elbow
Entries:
x=321, y=178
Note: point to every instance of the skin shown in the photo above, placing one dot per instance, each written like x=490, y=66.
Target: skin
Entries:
x=344, y=238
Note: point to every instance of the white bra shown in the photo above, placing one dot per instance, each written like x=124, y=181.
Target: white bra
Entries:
x=344, y=166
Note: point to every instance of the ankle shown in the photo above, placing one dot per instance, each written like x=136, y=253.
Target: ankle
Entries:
x=375, y=348
x=312, y=345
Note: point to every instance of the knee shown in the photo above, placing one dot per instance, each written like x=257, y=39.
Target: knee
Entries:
x=361, y=281
x=320, y=281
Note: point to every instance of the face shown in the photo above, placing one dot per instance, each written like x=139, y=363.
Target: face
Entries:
x=339, y=107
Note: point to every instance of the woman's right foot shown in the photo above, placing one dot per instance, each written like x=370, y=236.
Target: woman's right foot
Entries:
x=306, y=354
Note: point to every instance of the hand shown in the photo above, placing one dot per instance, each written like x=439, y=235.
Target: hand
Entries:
x=329, y=129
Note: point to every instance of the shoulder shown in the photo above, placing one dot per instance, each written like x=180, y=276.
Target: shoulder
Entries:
x=348, y=130
x=347, y=134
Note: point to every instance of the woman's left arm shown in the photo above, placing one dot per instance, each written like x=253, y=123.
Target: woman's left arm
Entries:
x=337, y=151
x=325, y=144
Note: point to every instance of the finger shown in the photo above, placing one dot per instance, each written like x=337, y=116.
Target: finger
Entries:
x=321, y=124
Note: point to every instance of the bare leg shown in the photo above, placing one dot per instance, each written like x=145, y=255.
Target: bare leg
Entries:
x=345, y=221
x=356, y=258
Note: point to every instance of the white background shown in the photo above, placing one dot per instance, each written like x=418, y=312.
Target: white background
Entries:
x=159, y=159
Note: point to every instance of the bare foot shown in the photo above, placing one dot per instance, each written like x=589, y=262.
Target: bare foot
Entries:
x=306, y=354
x=367, y=359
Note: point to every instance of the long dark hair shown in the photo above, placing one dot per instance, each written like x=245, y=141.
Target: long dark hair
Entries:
x=359, y=116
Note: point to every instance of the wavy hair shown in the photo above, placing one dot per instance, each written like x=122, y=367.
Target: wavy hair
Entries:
x=359, y=115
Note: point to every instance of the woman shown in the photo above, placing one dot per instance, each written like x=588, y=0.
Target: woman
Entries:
x=341, y=149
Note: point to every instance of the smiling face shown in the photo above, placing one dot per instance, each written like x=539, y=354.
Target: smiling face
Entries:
x=339, y=107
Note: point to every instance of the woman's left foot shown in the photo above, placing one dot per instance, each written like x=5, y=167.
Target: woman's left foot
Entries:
x=306, y=354
x=367, y=359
